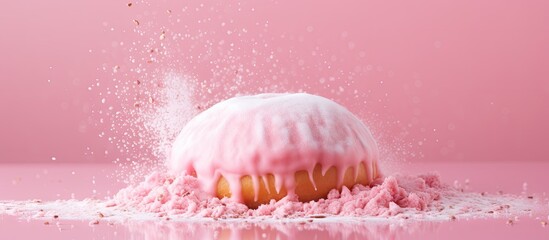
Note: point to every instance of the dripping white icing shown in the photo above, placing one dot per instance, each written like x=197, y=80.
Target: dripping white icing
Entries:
x=274, y=133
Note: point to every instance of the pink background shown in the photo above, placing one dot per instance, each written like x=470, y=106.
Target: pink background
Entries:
x=449, y=80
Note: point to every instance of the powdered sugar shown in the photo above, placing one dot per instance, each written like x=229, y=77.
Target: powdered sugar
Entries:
x=398, y=197
x=178, y=198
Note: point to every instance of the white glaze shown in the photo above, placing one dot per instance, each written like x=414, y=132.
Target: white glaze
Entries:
x=273, y=133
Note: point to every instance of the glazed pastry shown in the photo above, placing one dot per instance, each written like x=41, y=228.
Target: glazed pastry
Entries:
x=263, y=147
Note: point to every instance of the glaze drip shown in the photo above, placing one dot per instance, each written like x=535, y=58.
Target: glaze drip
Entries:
x=275, y=133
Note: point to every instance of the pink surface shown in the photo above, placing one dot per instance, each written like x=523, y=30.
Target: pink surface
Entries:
x=471, y=229
x=278, y=134
x=450, y=80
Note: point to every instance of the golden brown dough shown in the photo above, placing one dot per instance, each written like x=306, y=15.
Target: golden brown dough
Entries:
x=304, y=188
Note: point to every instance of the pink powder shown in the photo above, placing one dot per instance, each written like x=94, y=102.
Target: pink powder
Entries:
x=282, y=134
x=165, y=194
x=162, y=196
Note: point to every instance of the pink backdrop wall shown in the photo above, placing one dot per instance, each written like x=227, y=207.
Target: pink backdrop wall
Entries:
x=453, y=80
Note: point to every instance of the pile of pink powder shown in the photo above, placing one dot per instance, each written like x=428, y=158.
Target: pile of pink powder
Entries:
x=166, y=197
x=170, y=195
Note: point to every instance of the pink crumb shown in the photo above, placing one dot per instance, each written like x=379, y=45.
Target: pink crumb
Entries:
x=162, y=193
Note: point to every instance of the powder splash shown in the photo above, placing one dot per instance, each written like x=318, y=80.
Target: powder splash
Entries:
x=149, y=107
x=395, y=197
